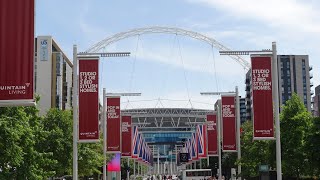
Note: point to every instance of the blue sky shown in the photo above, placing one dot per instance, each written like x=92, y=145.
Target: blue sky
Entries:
x=166, y=66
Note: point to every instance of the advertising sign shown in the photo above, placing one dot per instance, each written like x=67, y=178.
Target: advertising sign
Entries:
x=113, y=124
x=17, y=52
x=88, y=99
x=262, y=97
x=126, y=146
x=212, y=135
x=114, y=165
x=228, y=123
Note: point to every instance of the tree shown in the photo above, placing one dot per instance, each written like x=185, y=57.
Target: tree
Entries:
x=295, y=128
x=58, y=140
x=90, y=158
x=20, y=155
x=313, y=145
x=254, y=153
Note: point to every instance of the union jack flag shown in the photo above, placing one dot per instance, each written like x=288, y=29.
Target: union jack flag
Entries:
x=135, y=143
x=140, y=147
x=189, y=149
x=202, y=149
x=194, y=140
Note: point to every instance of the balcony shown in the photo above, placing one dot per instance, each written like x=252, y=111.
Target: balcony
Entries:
x=311, y=84
x=310, y=68
x=312, y=92
x=311, y=75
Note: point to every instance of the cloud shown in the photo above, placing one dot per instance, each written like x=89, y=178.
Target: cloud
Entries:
x=191, y=59
x=284, y=13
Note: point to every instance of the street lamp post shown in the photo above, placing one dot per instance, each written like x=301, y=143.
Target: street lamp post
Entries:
x=219, y=115
x=75, y=102
x=275, y=96
x=104, y=107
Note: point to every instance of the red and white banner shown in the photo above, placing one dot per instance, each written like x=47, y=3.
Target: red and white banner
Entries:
x=126, y=146
x=228, y=123
x=135, y=142
x=89, y=99
x=262, y=97
x=194, y=141
x=202, y=140
x=212, y=135
x=17, y=52
x=113, y=124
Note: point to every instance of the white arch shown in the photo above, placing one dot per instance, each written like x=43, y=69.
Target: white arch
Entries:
x=165, y=30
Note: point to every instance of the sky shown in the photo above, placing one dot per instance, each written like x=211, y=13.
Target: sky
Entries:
x=171, y=70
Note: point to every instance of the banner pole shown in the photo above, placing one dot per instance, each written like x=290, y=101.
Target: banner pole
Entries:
x=219, y=137
x=104, y=118
x=275, y=93
x=134, y=168
x=158, y=160
x=128, y=171
x=238, y=131
x=75, y=114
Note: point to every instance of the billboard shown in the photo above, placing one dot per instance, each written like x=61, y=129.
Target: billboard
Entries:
x=17, y=52
x=262, y=97
x=212, y=135
x=88, y=99
x=114, y=165
x=113, y=124
x=126, y=131
x=228, y=123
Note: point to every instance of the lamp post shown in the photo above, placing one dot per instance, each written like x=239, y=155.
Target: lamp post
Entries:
x=275, y=96
x=219, y=123
x=104, y=107
x=75, y=102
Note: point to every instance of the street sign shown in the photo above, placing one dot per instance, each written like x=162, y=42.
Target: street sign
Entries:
x=184, y=157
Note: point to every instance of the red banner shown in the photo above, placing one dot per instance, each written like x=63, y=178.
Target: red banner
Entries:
x=113, y=124
x=16, y=52
x=228, y=124
x=126, y=146
x=88, y=99
x=212, y=135
x=262, y=98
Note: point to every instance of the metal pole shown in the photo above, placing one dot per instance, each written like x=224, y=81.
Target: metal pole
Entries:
x=275, y=90
x=219, y=137
x=75, y=114
x=238, y=131
x=104, y=119
x=158, y=160
x=171, y=164
x=200, y=163
x=128, y=171
x=134, y=169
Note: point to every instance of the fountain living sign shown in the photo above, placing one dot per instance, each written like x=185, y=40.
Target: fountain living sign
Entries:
x=17, y=52
x=88, y=99
x=262, y=97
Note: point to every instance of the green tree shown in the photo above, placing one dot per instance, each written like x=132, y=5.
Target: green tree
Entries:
x=313, y=145
x=90, y=158
x=254, y=153
x=20, y=154
x=295, y=128
x=58, y=125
